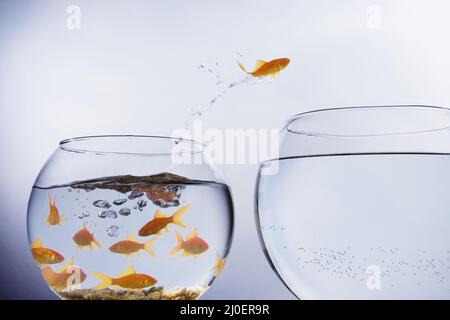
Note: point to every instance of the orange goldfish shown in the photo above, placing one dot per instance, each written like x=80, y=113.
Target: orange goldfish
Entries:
x=131, y=245
x=129, y=279
x=84, y=238
x=192, y=246
x=162, y=195
x=263, y=68
x=53, y=217
x=60, y=280
x=161, y=221
x=44, y=255
x=218, y=267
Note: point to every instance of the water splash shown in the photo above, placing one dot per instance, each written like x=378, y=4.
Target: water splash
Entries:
x=196, y=113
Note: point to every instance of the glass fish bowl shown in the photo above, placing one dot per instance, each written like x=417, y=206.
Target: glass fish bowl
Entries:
x=357, y=206
x=130, y=217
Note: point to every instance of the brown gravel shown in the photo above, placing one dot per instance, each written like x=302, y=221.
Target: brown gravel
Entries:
x=154, y=293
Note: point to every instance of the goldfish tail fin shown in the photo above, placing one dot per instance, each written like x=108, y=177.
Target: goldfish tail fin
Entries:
x=179, y=245
x=176, y=218
x=105, y=281
x=148, y=247
x=98, y=244
x=36, y=244
x=217, y=265
x=242, y=67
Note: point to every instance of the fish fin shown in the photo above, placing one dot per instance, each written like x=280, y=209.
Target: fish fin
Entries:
x=36, y=244
x=179, y=245
x=274, y=75
x=159, y=214
x=242, y=67
x=91, y=247
x=192, y=235
x=259, y=64
x=67, y=265
x=148, y=247
x=218, y=260
x=131, y=238
x=98, y=244
x=218, y=266
x=105, y=281
x=51, y=202
x=129, y=270
x=49, y=220
x=48, y=274
x=176, y=217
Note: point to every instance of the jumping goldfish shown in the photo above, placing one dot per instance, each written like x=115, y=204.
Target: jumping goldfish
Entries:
x=84, y=238
x=44, y=255
x=161, y=221
x=218, y=267
x=263, y=68
x=192, y=246
x=69, y=275
x=53, y=217
x=129, y=279
x=131, y=245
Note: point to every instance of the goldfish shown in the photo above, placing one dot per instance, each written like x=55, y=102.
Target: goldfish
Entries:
x=44, y=255
x=192, y=246
x=218, y=267
x=131, y=245
x=263, y=68
x=129, y=279
x=84, y=238
x=161, y=221
x=163, y=196
x=53, y=217
x=70, y=274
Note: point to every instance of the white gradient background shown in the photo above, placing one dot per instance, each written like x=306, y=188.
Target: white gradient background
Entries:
x=131, y=69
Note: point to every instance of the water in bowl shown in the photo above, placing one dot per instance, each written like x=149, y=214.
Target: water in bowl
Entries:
x=115, y=209
x=363, y=226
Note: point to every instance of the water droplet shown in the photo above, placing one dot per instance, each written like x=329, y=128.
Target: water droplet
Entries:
x=141, y=204
x=84, y=214
x=124, y=212
x=108, y=214
x=135, y=194
x=101, y=204
x=113, y=231
x=119, y=202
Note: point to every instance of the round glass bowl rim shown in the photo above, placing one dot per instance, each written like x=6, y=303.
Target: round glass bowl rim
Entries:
x=196, y=147
x=317, y=133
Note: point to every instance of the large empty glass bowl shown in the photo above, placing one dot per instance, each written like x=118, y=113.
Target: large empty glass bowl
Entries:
x=357, y=206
